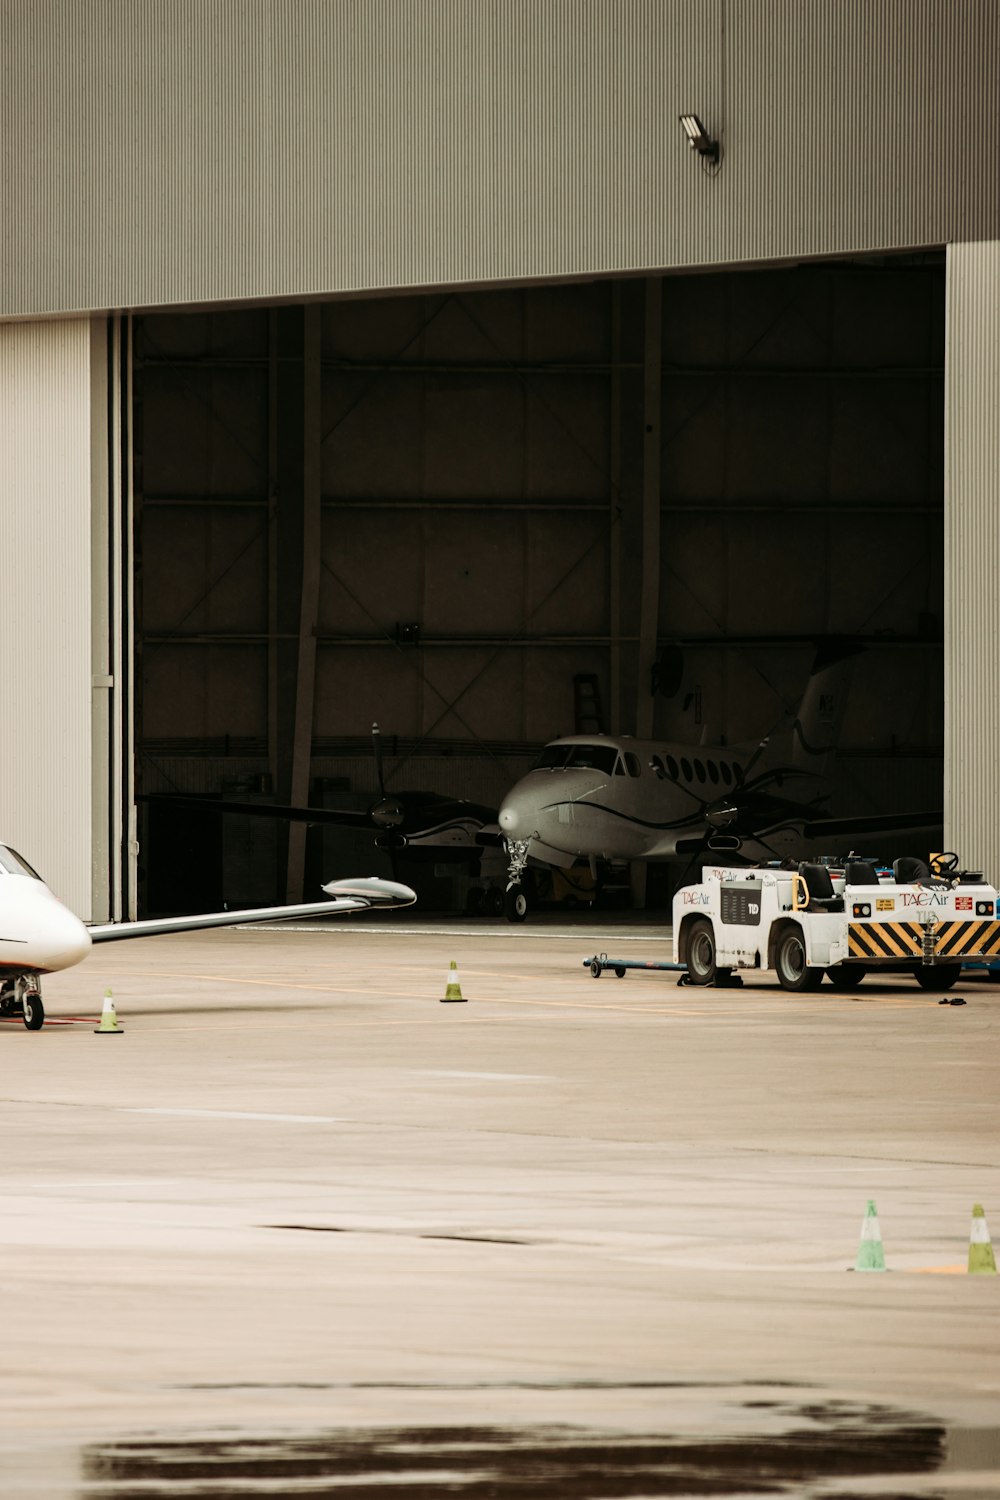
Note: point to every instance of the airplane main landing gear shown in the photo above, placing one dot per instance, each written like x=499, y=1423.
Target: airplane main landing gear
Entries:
x=23, y=995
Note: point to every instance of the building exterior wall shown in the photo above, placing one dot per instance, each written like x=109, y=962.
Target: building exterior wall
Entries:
x=177, y=152
x=45, y=608
x=972, y=555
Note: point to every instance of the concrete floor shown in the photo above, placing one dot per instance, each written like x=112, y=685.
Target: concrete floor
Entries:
x=299, y=1194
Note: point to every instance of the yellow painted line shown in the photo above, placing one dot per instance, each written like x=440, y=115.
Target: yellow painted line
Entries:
x=940, y=1271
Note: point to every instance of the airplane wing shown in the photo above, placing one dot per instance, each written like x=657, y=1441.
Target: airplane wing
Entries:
x=816, y=828
x=220, y=805
x=347, y=895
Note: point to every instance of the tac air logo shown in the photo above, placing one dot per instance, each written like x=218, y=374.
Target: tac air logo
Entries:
x=695, y=898
x=925, y=898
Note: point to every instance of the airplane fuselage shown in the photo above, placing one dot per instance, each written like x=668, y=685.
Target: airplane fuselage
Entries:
x=622, y=798
x=38, y=935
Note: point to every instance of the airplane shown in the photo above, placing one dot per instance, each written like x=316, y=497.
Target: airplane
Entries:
x=425, y=825
x=616, y=797
x=39, y=935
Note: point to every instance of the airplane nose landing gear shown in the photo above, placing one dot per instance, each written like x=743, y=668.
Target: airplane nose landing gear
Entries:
x=23, y=994
x=515, y=903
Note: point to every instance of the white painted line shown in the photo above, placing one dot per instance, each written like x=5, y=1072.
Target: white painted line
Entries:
x=238, y=1114
x=661, y=935
x=458, y=1073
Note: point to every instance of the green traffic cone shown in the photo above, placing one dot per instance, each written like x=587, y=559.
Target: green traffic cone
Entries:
x=453, y=990
x=982, y=1261
x=109, y=1021
x=870, y=1254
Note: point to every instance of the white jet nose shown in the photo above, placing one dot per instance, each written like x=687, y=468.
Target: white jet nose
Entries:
x=508, y=819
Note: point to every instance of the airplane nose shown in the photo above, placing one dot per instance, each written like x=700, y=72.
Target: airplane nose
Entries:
x=508, y=819
x=65, y=940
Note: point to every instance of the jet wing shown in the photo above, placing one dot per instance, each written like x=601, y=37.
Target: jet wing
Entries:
x=347, y=895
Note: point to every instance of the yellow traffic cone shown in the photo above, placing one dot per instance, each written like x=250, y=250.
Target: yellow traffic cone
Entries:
x=982, y=1261
x=109, y=1021
x=453, y=990
x=870, y=1254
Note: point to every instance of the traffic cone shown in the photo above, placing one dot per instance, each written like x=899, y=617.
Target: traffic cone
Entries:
x=982, y=1261
x=109, y=1021
x=870, y=1255
x=453, y=990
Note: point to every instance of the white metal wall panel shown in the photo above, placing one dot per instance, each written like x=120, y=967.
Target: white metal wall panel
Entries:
x=972, y=555
x=179, y=152
x=45, y=640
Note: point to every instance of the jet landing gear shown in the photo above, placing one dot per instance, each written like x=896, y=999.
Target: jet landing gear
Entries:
x=23, y=995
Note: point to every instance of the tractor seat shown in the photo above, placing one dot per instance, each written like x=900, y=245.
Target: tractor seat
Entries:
x=860, y=872
x=819, y=888
x=909, y=870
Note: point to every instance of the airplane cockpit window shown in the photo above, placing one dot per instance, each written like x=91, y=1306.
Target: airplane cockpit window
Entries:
x=11, y=863
x=551, y=757
x=592, y=758
x=619, y=767
x=632, y=765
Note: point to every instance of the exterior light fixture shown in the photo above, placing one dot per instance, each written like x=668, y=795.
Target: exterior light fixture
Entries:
x=699, y=139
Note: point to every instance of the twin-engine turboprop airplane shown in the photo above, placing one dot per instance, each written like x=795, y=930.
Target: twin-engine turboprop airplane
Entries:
x=607, y=797
x=38, y=935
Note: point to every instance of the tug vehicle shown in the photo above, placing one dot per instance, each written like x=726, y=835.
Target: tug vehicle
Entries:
x=844, y=921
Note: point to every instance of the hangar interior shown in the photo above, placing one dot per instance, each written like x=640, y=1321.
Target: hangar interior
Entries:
x=427, y=511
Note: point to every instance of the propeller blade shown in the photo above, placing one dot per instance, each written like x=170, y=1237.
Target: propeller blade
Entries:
x=377, y=747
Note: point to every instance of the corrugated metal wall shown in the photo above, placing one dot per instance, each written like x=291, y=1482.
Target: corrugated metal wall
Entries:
x=45, y=641
x=178, y=152
x=972, y=555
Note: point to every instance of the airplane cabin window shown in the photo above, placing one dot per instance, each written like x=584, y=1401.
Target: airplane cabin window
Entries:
x=632, y=765
x=686, y=768
x=657, y=767
x=699, y=770
x=737, y=771
x=673, y=767
x=727, y=775
x=713, y=772
x=13, y=864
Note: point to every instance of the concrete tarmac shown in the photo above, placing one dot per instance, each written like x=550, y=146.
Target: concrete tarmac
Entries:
x=300, y=1195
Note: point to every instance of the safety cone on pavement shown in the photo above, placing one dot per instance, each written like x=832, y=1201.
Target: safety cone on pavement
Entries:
x=453, y=990
x=109, y=1021
x=982, y=1261
x=870, y=1253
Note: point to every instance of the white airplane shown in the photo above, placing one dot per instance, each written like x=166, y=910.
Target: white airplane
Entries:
x=615, y=797
x=38, y=935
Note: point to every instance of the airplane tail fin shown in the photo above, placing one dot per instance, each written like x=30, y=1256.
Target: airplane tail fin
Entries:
x=816, y=728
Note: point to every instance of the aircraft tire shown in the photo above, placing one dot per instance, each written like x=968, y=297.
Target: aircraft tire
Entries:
x=790, y=961
x=494, y=902
x=515, y=904
x=940, y=978
x=34, y=1012
x=701, y=952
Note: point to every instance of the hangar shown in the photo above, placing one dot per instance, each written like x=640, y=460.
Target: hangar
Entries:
x=402, y=362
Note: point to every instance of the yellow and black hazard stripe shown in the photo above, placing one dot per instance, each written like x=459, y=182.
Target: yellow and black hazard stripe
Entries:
x=885, y=940
x=954, y=938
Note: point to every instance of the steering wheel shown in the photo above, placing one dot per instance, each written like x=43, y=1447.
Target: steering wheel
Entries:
x=944, y=864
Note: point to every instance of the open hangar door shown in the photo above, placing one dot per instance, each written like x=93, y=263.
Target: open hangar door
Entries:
x=427, y=511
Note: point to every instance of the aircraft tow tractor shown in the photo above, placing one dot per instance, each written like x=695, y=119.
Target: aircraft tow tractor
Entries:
x=844, y=922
